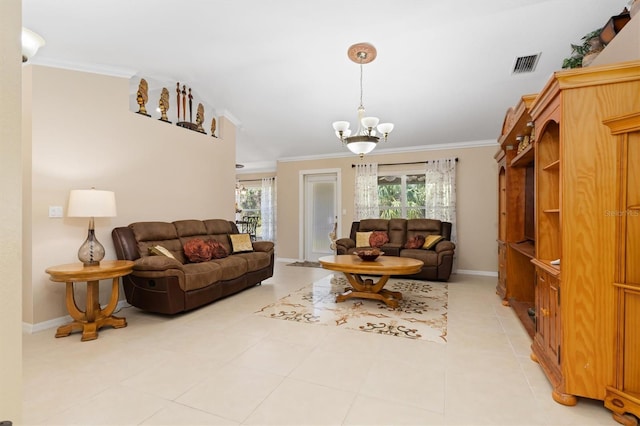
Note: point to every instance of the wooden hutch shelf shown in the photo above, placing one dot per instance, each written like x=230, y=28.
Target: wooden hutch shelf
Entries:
x=516, y=248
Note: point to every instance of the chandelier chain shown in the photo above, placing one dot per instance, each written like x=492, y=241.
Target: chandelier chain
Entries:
x=361, y=85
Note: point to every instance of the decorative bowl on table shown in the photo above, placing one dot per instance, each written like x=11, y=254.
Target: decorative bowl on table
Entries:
x=368, y=255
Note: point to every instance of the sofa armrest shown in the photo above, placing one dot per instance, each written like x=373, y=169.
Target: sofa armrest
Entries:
x=445, y=246
x=156, y=263
x=265, y=246
x=345, y=245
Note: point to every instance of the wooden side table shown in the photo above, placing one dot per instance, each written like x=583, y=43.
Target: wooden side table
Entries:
x=93, y=318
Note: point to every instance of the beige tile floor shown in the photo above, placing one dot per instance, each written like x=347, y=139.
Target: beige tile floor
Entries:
x=224, y=365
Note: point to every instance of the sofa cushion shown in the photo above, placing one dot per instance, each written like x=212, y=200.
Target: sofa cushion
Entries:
x=378, y=239
x=430, y=241
x=255, y=260
x=397, y=231
x=196, y=250
x=428, y=257
x=232, y=266
x=149, y=234
x=415, y=242
x=190, y=228
x=373, y=225
x=362, y=238
x=200, y=275
x=423, y=227
x=240, y=243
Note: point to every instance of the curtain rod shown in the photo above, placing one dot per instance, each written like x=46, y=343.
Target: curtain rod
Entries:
x=253, y=180
x=411, y=162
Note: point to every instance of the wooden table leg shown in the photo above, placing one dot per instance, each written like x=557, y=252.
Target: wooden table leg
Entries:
x=105, y=317
x=94, y=318
x=367, y=289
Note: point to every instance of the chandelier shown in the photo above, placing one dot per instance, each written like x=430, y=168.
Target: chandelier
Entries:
x=365, y=139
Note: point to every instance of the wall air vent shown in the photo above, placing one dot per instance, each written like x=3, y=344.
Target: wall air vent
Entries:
x=525, y=64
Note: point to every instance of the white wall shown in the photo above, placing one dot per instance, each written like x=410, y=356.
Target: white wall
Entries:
x=83, y=135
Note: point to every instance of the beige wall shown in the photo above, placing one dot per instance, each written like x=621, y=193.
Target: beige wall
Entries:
x=11, y=213
x=476, y=200
x=83, y=135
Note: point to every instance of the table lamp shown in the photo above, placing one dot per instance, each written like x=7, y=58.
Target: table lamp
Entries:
x=91, y=203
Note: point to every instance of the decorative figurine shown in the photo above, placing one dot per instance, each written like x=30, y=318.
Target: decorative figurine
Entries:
x=142, y=97
x=199, y=118
x=184, y=102
x=213, y=127
x=190, y=105
x=178, y=98
x=163, y=104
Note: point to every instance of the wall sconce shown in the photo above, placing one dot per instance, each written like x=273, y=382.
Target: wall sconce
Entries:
x=31, y=42
x=91, y=203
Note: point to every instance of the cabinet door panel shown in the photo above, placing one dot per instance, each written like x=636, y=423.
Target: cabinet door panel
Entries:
x=631, y=341
x=633, y=209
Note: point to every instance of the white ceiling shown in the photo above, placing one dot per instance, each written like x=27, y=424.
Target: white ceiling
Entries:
x=280, y=68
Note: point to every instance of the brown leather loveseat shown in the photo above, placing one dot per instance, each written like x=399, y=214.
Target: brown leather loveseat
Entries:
x=169, y=285
x=438, y=260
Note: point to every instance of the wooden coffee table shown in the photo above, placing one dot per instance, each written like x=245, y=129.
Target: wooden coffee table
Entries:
x=384, y=266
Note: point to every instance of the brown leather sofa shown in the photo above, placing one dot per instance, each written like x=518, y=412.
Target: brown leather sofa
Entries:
x=438, y=261
x=168, y=286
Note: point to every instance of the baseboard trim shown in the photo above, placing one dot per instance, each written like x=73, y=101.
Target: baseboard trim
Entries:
x=56, y=322
x=472, y=272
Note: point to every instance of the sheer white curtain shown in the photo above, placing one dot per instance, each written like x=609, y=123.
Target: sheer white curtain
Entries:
x=366, y=201
x=440, y=187
x=268, y=209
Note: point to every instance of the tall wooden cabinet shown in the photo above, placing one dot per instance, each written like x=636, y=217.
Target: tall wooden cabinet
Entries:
x=586, y=256
x=516, y=276
x=576, y=185
x=623, y=396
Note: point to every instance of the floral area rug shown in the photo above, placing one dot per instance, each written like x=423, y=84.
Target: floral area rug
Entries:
x=421, y=314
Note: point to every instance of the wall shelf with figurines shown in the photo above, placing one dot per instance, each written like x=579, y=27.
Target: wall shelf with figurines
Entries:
x=184, y=102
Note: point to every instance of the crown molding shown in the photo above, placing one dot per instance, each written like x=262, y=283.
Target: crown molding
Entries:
x=385, y=151
x=74, y=66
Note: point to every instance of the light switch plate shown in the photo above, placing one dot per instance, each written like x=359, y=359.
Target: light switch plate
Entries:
x=55, y=211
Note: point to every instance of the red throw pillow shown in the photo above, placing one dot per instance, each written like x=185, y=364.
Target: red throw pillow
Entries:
x=415, y=242
x=378, y=239
x=197, y=250
x=218, y=251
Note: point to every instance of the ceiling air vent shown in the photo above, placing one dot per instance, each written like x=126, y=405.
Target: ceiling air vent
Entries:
x=524, y=64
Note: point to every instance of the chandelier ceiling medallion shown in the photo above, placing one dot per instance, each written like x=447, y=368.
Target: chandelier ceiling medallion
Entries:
x=364, y=140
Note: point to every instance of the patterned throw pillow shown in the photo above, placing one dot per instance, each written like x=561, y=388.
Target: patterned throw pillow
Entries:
x=431, y=241
x=218, y=251
x=378, y=239
x=240, y=243
x=415, y=242
x=161, y=251
x=362, y=239
x=197, y=250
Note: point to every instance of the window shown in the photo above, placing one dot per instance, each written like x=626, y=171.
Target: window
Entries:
x=402, y=195
x=248, y=202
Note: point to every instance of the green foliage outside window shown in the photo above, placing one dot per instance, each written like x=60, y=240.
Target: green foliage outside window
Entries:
x=402, y=196
x=249, y=200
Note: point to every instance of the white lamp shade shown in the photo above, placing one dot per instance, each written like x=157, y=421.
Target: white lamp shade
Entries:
x=340, y=126
x=31, y=42
x=370, y=122
x=91, y=203
x=361, y=148
x=385, y=128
